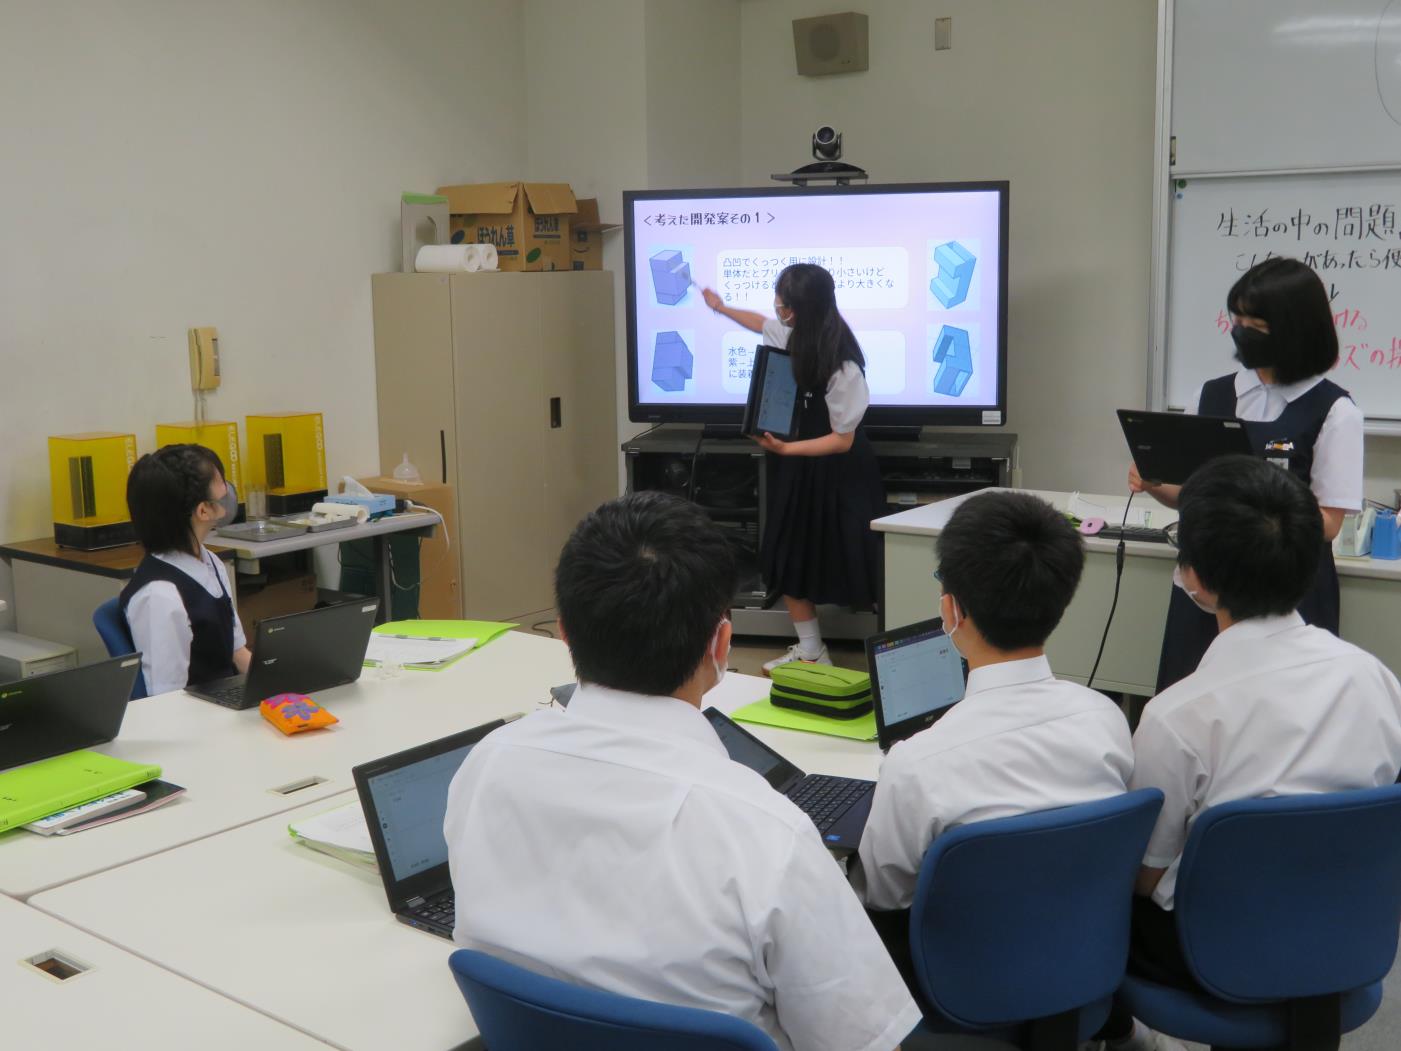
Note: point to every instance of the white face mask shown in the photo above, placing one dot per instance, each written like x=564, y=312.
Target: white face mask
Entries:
x=957, y=623
x=786, y=322
x=717, y=664
x=1195, y=596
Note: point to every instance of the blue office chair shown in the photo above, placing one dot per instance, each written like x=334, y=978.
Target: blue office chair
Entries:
x=1020, y=926
x=116, y=636
x=1287, y=910
x=518, y=1010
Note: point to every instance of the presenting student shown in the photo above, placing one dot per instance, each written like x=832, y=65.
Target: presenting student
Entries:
x=1282, y=326
x=178, y=603
x=824, y=487
x=617, y=846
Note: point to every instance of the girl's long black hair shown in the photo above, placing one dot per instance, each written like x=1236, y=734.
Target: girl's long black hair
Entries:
x=821, y=341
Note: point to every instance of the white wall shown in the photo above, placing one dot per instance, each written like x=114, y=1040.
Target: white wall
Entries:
x=171, y=163
x=1058, y=99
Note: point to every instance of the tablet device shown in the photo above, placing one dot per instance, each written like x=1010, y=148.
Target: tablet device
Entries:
x=917, y=675
x=1169, y=446
x=772, y=405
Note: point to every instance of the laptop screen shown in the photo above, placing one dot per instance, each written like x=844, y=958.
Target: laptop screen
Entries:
x=918, y=674
x=747, y=750
x=410, y=803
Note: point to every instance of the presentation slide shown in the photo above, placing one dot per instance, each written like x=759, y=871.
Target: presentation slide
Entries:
x=917, y=276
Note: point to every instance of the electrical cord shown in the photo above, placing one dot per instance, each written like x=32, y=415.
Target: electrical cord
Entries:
x=1118, y=578
x=695, y=459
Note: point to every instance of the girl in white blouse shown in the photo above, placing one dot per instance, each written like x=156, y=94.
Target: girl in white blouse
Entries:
x=824, y=486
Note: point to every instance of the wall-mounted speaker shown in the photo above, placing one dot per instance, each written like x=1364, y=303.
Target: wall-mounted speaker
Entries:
x=831, y=44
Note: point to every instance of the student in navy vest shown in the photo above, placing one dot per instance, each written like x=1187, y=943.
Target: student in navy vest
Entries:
x=178, y=603
x=1282, y=326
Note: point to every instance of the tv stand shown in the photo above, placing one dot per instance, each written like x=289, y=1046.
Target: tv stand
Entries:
x=729, y=483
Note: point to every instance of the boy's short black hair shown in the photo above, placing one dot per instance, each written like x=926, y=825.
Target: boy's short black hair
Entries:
x=1290, y=297
x=641, y=585
x=162, y=492
x=1013, y=562
x=1252, y=532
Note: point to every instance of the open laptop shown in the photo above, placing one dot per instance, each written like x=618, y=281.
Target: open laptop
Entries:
x=917, y=675
x=1169, y=446
x=838, y=806
x=299, y=653
x=63, y=711
x=405, y=797
x=772, y=404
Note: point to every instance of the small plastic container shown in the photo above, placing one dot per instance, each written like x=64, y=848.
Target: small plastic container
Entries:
x=1386, y=544
x=407, y=473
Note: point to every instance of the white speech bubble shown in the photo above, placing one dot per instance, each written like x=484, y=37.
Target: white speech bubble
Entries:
x=866, y=278
x=885, y=361
x=737, y=360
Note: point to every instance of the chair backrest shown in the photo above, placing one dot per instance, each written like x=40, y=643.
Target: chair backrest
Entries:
x=1028, y=917
x=518, y=1010
x=1292, y=896
x=111, y=625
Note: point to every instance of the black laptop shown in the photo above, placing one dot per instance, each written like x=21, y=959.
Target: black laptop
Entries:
x=405, y=797
x=917, y=675
x=772, y=405
x=838, y=806
x=63, y=711
x=1169, y=446
x=299, y=653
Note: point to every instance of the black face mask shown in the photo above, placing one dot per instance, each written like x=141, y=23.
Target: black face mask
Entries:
x=1252, y=347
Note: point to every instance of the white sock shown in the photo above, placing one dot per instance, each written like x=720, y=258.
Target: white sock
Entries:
x=809, y=637
x=1139, y=1038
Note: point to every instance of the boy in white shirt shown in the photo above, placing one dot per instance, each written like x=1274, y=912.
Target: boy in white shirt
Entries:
x=1275, y=707
x=615, y=845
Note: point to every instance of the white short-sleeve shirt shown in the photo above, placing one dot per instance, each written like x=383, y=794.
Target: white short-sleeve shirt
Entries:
x=848, y=394
x=1337, y=455
x=160, y=627
x=1021, y=740
x=615, y=845
x=1275, y=708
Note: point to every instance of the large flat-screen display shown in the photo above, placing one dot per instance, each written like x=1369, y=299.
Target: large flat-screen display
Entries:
x=921, y=278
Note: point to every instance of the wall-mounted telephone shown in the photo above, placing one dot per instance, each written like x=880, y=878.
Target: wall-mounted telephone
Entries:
x=204, y=358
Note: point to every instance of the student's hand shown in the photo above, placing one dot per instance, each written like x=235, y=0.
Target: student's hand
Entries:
x=1136, y=482
x=772, y=444
x=712, y=299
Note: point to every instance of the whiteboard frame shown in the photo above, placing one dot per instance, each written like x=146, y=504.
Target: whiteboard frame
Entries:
x=1163, y=176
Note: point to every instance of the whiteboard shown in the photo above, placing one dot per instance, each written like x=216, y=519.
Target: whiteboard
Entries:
x=1347, y=226
x=1269, y=85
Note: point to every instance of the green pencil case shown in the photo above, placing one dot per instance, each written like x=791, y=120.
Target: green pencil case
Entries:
x=820, y=689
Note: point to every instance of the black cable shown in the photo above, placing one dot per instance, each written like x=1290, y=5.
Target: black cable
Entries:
x=695, y=459
x=537, y=627
x=1118, y=577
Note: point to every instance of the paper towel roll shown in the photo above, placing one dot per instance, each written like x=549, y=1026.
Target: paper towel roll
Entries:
x=354, y=511
x=454, y=259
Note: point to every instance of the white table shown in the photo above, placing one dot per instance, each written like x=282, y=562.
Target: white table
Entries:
x=1370, y=594
x=122, y=1001
x=266, y=903
x=378, y=530
x=232, y=762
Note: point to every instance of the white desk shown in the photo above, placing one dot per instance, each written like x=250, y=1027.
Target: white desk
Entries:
x=230, y=762
x=122, y=1001
x=1370, y=591
x=378, y=530
x=267, y=904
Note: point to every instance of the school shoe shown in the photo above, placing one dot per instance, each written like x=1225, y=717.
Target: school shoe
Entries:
x=795, y=653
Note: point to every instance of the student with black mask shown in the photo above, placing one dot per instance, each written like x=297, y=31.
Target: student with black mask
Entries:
x=1282, y=326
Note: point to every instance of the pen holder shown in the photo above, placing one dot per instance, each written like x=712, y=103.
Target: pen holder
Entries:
x=1385, y=542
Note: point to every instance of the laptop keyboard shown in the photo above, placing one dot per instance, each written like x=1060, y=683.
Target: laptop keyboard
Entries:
x=442, y=911
x=230, y=695
x=825, y=798
x=1142, y=534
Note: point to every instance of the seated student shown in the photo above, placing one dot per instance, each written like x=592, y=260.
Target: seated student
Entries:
x=1275, y=707
x=615, y=845
x=1021, y=740
x=177, y=604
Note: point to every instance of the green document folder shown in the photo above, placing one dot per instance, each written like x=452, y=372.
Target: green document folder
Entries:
x=28, y=793
x=765, y=714
x=483, y=631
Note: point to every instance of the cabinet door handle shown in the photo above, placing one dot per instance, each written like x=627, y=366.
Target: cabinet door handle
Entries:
x=443, y=453
x=556, y=420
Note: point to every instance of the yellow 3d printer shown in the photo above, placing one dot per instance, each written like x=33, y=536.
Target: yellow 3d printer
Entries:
x=87, y=480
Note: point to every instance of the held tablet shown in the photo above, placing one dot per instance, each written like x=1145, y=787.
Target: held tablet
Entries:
x=773, y=395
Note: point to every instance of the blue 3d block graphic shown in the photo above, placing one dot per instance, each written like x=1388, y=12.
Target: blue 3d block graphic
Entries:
x=955, y=274
x=671, y=277
x=954, y=357
x=672, y=361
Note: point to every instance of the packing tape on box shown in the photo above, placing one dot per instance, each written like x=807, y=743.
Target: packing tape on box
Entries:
x=453, y=259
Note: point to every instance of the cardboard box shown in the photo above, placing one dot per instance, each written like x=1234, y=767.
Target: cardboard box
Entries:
x=294, y=594
x=528, y=222
x=586, y=242
x=440, y=593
